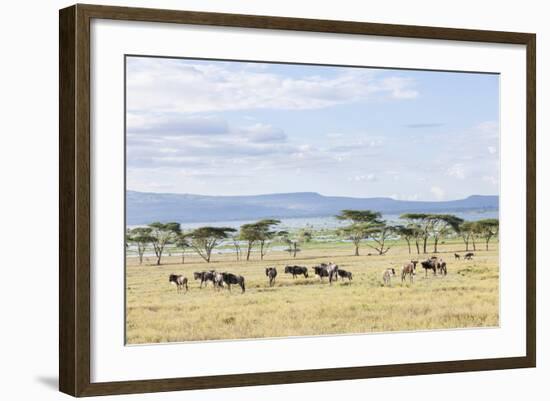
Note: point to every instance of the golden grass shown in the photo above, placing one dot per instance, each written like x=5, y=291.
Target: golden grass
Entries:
x=467, y=297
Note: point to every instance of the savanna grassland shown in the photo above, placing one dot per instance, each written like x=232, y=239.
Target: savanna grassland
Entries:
x=467, y=297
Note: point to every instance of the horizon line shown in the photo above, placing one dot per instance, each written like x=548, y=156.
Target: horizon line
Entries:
x=309, y=192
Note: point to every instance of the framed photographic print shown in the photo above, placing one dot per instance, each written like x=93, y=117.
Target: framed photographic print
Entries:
x=249, y=200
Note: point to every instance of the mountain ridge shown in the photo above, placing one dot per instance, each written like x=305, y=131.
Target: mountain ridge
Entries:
x=146, y=207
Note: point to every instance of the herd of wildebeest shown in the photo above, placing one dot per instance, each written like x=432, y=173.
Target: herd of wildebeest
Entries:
x=330, y=270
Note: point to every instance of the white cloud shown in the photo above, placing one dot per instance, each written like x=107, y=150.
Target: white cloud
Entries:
x=360, y=144
x=171, y=85
x=489, y=129
x=457, y=171
x=400, y=88
x=219, y=128
x=340, y=158
x=174, y=124
x=365, y=177
x=262, y=133
x=437, y=192
x=490, y=179
x=487, y=126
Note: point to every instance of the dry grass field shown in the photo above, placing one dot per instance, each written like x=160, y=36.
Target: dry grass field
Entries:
x=467, y=297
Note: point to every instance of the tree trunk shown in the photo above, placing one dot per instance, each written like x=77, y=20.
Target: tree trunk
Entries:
x=262, y=250
x=436, y=240
x=409, y=245
x=183, y=257
x=248, y=251
x=474, y=243
x=417, y=246
x=424, y=248
x=487, y=243
x=158, y=253
x=356, y=249
x=467, y=242
x=295, y=249
x=381, y=250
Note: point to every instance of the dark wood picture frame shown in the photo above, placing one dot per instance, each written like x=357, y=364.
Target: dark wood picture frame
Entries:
x=74, y=199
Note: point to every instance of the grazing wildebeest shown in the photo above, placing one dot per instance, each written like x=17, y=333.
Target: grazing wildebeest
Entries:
x=230, y=278
x=321, y=270
x=179, y=281
x=410, y=269
x=345, y=274
x=217, y=280
x=329, y=270
x=457, y=256
x=469, y=256
x=332, y=269
x=388, y=273
x=204, y=277
x=429, y=265
x=296, y=271
x=442, y=266
x=271, y=273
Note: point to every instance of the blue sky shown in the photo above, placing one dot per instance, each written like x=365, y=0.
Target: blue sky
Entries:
x=237, y=128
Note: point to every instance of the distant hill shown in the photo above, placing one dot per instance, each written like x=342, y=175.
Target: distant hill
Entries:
x=146, y=207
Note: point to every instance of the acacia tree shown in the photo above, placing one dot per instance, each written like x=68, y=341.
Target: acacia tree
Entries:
x=417, y=235
x=407, y=233
x=441, y=224
x=465, y=233
x=424, y=223
x=182, y=243
x=259, y=232
x=468, y=231
x=249, y=233
x=379, y=233
x=163, y=234
x=487, y=228
x=295, y=248
x=306, y=234
x=141, y=237
x=291, y=242
x=362, y=222
x=286, y=238
x=430, y=224
x=266, y=234
x=204, y=239
x=236, y=245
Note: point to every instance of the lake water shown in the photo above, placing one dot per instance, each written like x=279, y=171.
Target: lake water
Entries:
x=329, y=222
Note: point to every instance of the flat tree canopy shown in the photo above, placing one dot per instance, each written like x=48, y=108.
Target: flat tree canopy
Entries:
x=359, y=216
x=260, y=231
x=487, y=228
x=430, y=224
x=141, y=236
x=204, y=239
x=363, y=224
x=162, y=234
